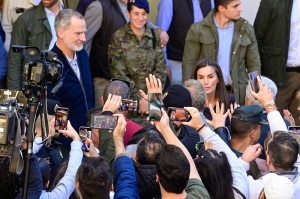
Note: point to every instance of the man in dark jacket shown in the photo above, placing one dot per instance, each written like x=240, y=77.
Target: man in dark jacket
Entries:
x=147, y=149
x=188, y=136
x=76, y=92
x=277, y=30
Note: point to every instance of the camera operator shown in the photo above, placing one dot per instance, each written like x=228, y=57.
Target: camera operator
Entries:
x=66, y=185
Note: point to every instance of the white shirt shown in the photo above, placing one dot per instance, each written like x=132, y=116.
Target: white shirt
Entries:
x=74, y=65
x=224, y=51
x=294, y=45
x=51, y=18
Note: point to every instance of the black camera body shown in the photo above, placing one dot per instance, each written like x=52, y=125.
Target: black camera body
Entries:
x=9, y=119
x=44, y=66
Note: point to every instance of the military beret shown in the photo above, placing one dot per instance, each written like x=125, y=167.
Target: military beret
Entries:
x=142, y=4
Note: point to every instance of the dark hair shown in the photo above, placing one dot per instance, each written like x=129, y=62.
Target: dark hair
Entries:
x=215, y=172
x=173, y=169
x=45, y=171
x=283, y=150
x=223, y=3
x=59, y=175
x=96, y=111
x=95, y=178
x=221, y=91
x=129, y=6
x=240, y=129
x=116, y=88
x=148, y=147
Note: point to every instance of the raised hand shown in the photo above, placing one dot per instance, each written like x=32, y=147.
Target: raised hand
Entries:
x=252, y=152
x=196, y=121
x=70, y=132
x=218, y=117
x=265, y=94
x=120, y=128
x=112, y=103
x=232, y=108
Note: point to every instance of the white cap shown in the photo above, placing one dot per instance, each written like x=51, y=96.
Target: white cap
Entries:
x=278, y=187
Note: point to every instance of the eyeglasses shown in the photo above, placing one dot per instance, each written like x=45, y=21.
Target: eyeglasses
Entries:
x=128, y=83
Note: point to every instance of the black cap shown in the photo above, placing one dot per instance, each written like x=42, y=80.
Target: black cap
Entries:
x=249, y=113
x=142, y=4
x=177, y=96
x=51, y=106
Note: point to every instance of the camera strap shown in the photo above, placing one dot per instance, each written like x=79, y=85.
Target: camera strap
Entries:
x=17, y=162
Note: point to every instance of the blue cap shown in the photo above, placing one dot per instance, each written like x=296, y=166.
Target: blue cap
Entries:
x=142, y=4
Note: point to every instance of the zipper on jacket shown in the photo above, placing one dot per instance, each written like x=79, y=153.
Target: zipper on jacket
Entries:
x=80, y=81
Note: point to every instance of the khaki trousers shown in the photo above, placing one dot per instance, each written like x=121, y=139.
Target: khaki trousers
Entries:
x=286, y=96
x=99, y=86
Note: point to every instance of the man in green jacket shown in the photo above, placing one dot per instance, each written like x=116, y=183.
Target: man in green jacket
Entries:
x=277, y=29
x=35, y=27
x=227, y=38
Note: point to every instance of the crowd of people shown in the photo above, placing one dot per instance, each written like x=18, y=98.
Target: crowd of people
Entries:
x=214, y=137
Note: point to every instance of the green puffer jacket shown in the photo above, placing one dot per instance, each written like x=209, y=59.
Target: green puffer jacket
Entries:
x=272, y=30
x=202, y=42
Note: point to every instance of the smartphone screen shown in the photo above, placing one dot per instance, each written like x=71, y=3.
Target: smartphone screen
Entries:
x=178, y=114
x=103, y=122
x=253, y=81
x=294, y=129
x=155, y=104
x=61, y=118
x=85, y=132
x=128, y=105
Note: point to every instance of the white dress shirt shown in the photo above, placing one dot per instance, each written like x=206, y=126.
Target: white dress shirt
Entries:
x=294, y=45
x=51, y=18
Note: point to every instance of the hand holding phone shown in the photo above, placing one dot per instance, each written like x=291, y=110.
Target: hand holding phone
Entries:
x=61, y=118
x=253, y=81
x=178, y=114
x=85, y=132
x=103, y=121
x=155, y=104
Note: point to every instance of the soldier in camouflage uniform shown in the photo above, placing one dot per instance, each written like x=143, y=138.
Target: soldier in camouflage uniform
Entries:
x=132, y=58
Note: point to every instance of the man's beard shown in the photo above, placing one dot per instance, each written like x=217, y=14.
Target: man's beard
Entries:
x=177, y=126
x=72, y=46
x=50, y=4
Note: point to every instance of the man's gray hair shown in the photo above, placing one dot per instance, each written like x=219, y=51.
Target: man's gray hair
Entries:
x=265, y=81
x=63, y=18
x=197, y=92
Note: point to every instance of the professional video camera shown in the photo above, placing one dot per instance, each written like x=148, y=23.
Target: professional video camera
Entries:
x=43, y=67
x=12, y=123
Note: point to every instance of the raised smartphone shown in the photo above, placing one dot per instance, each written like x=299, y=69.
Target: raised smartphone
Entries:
x=253, y=81
x=294, y=129
x=61, y=118
x=103, y=122
x=155, y=104
x=85, y=132
x=178, y=114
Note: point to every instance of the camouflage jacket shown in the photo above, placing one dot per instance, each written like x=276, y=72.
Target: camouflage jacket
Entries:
x=133, y=60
